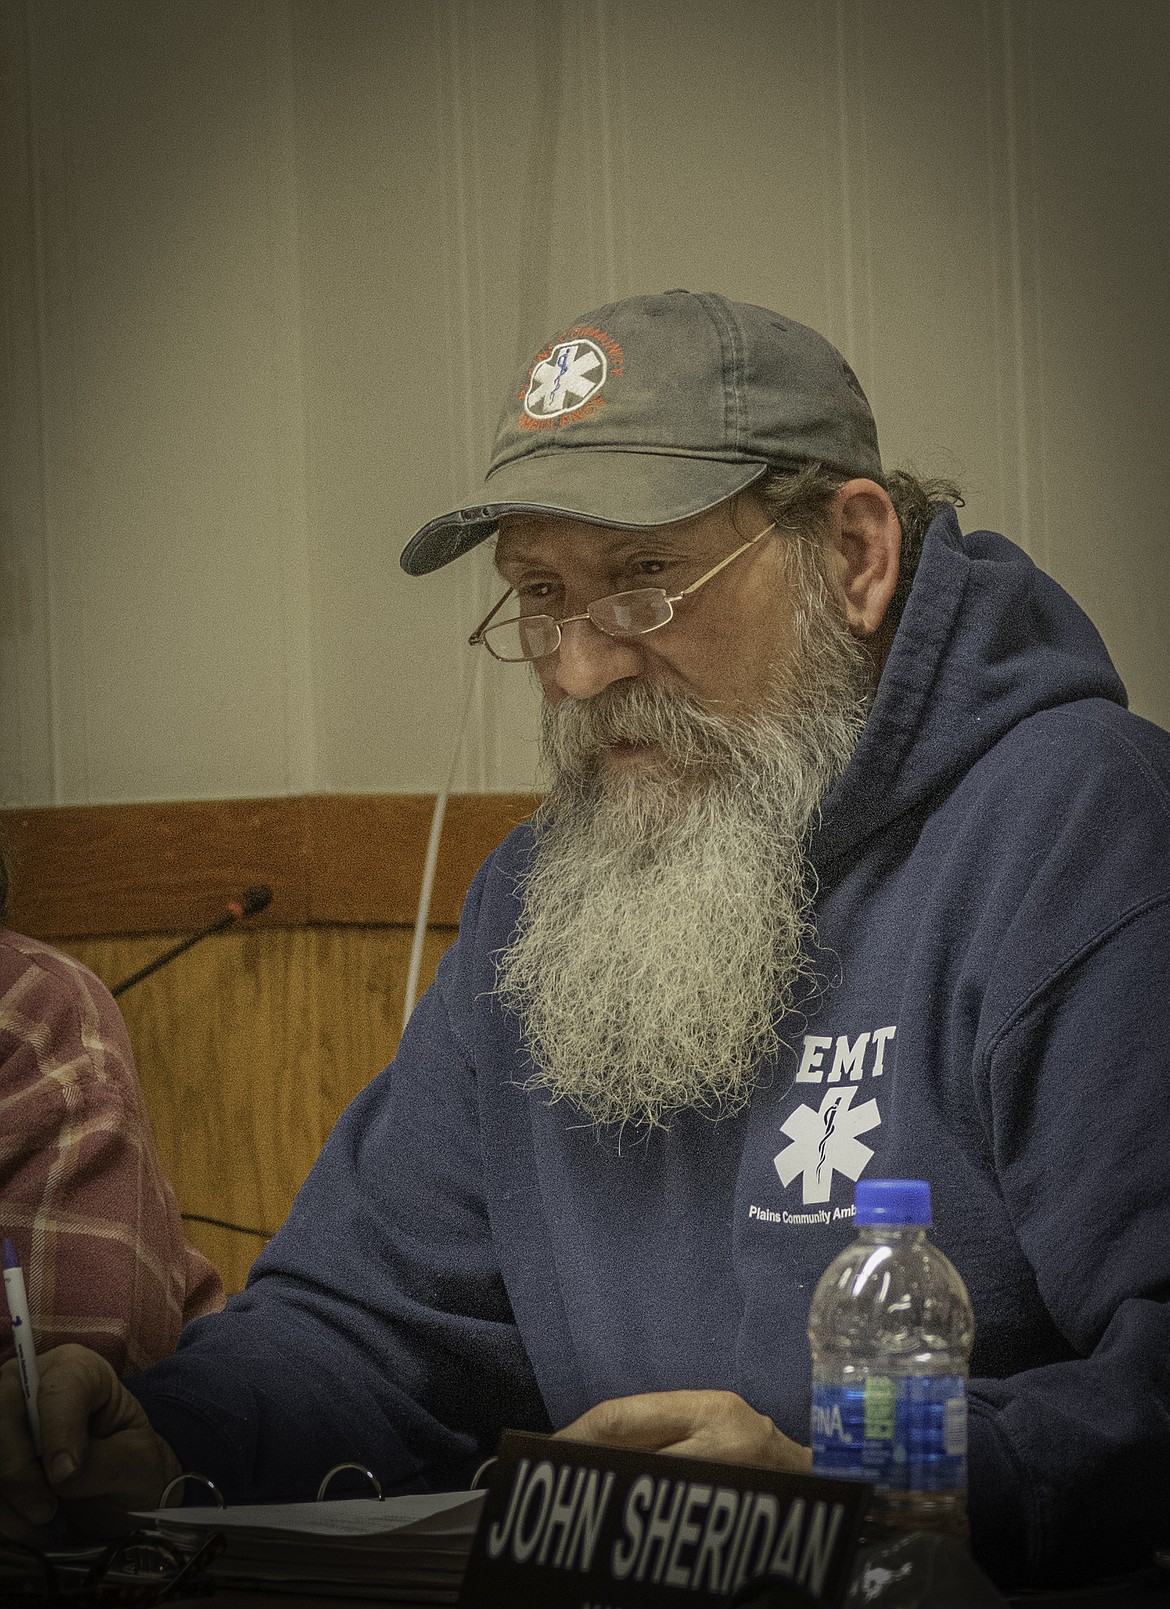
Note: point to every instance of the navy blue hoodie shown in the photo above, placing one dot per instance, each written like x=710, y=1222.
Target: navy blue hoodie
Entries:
x=993, y=923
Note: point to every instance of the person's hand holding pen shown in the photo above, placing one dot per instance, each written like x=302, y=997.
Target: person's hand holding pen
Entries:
x=100, y=1458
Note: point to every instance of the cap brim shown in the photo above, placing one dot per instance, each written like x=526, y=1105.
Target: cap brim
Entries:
x=606, y=486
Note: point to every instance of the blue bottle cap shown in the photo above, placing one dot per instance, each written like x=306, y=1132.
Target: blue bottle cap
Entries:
x=892, y=1201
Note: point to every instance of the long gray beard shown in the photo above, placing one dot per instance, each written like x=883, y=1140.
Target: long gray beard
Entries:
x=666, y=917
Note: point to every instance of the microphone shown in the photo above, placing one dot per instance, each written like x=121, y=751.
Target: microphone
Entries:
x=257, y=898
x=254, y=899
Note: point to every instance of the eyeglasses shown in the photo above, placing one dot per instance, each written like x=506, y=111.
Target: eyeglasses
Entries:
x=622, y=614
x=142, y=1569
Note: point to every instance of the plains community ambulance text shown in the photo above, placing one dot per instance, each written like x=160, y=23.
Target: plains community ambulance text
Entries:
x=678, y=1533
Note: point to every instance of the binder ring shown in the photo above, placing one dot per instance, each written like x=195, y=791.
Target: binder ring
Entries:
x=190, y=1475
x=361, y=1469
x=480, y=1473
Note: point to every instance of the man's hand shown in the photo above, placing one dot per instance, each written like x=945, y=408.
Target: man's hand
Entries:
x=693, y=1424
x=101, y=1457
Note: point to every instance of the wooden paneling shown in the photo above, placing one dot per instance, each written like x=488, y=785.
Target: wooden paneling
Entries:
x=152, y=868
x=97, y=870
x=248, y=1049
x=251, y=1044
x=366, y=851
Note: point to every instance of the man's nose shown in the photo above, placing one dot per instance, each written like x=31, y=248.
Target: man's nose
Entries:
x=588, y=661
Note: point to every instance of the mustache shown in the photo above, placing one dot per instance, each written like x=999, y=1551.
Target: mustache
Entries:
x=576, y=730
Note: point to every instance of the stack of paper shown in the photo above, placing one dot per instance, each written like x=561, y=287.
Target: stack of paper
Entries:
x=405, y=1550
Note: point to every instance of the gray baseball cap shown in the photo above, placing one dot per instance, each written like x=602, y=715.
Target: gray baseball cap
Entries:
x=657, y=408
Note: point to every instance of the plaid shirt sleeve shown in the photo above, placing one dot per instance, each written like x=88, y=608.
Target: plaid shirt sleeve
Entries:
x=82, y=1193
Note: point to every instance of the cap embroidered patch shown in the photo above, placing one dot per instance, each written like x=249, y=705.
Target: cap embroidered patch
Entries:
x=565, y=379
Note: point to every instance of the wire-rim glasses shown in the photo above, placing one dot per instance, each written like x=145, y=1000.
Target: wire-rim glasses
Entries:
x=621, y=614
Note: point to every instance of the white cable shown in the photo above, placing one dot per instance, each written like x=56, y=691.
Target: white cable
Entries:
x=432, y=855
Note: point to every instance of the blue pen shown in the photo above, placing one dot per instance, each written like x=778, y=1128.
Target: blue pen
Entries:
x=17, y=1298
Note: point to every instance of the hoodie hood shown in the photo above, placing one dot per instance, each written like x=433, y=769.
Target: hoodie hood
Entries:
x=986, y=640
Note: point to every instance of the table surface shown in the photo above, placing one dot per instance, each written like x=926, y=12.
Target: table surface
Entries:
x=1151, y=1591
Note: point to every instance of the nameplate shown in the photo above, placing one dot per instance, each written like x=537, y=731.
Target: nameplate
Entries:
x=569, y=1525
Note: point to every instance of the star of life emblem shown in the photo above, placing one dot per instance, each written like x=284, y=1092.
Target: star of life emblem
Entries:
x=824, y=1142
x=573, y=372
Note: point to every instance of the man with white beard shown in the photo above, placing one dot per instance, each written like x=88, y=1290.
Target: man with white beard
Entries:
x=852, y=863
x=661, y=802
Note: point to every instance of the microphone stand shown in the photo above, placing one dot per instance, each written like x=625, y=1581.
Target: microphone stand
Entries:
x=255, y=899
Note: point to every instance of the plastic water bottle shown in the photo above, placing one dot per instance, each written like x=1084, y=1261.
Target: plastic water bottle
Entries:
x=891, y=1328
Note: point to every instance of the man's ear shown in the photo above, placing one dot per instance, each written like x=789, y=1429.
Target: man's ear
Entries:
x=864, y=540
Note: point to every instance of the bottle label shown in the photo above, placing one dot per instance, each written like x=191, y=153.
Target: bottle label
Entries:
x=901, y=1432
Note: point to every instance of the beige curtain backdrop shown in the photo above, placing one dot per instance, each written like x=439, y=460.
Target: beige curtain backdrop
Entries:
x=268, y=266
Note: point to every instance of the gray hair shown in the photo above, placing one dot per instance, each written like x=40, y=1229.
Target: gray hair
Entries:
x=800, y=499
